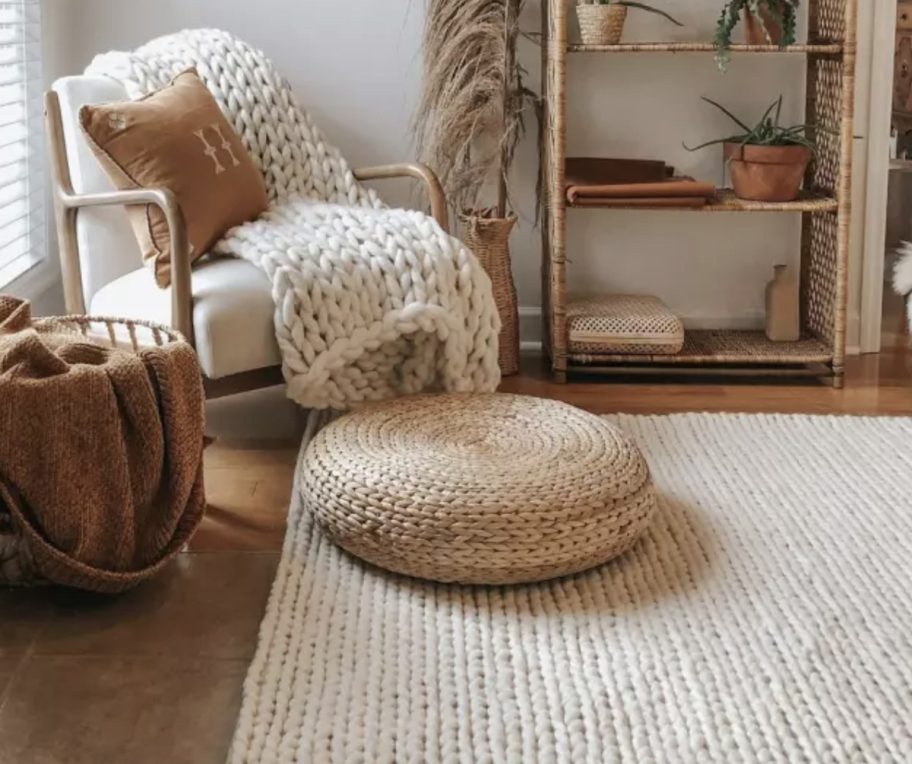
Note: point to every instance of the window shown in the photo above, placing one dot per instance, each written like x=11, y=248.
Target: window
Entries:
x=22, y=203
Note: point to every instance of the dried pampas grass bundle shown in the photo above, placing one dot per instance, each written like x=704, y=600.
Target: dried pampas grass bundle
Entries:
x=470, y=115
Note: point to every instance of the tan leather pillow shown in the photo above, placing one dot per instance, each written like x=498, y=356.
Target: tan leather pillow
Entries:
x=177, y=138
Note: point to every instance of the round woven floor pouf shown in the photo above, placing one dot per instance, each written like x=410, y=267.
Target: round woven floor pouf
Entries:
x=480, y=489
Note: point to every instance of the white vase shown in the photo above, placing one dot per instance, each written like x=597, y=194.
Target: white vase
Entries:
x=783, y=321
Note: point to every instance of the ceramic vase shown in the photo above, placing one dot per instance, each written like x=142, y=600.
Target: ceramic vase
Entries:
x=783, y=321
x=488, y=238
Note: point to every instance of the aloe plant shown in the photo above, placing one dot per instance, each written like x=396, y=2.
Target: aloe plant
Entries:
x=767, y=132
x=784, y=12
x=638, y=6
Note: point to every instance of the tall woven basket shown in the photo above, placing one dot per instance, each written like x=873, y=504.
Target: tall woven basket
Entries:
x=601, y=24
x=489, y=239
x=17, y=564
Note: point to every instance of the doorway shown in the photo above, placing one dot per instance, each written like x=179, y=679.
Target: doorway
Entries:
x=888, y=197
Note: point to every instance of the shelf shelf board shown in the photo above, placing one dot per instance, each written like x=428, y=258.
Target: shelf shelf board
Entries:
x=830, y=49
x=726, y=201
x=725, y=347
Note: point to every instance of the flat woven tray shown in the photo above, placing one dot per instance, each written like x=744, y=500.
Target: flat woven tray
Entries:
x=623, y=324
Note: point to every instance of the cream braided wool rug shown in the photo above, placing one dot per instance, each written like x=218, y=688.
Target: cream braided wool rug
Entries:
x=766, y=617
x=371, y=302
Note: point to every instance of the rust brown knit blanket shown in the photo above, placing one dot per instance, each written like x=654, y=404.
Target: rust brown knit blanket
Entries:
x=100, y=451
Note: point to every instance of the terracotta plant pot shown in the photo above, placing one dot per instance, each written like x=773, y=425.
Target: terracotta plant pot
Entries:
x=762, y=29
x=601, y=24
x=767, y=173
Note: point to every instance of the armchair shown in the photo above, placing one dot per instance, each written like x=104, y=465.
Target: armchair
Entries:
x=224, y=306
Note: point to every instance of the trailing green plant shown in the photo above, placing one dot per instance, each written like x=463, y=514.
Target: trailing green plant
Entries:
x=636, y=5
x=767, y=132
x=783, y=12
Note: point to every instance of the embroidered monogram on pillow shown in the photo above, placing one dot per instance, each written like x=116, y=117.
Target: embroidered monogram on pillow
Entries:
x=177, y=138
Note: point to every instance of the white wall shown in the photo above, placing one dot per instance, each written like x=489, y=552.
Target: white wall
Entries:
x=356, y=64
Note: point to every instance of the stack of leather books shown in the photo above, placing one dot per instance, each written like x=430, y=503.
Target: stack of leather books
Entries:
x=601, y=182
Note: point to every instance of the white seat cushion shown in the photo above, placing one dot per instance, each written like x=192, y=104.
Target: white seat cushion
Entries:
x=232, y=312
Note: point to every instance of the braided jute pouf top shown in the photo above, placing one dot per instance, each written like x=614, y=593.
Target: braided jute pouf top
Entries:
x=483, y=489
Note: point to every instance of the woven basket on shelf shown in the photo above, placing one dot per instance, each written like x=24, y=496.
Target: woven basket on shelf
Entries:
x=17, y=564
x=489, y=240
x=601, y=24
x=623, y=324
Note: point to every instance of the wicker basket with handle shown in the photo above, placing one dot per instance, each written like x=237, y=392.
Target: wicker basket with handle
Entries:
x=17, y=564
x=489, y=240
x=601, y=24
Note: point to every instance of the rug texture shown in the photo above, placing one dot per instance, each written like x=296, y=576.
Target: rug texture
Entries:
x=765, y=617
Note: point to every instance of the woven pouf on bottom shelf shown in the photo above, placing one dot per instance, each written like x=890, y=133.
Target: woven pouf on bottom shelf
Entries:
x=477, y=489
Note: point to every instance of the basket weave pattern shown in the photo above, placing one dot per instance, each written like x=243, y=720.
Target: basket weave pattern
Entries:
x=17, y=564
x=634, y=324
x=601, y=24
x=489, y=240
x=486, y=489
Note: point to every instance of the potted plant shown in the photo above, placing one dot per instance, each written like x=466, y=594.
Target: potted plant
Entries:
x=766, y=22
x=468, y=122
x=602, y=21
x=767, y=161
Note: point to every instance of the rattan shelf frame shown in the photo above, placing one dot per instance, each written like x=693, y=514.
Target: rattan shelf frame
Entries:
x=825, y=209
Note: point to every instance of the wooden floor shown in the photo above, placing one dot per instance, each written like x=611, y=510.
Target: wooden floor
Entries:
x=248, y=484
x=876, y=385
x=87, y=679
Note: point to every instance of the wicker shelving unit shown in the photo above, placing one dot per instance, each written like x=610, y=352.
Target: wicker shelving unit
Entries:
x=825, y=207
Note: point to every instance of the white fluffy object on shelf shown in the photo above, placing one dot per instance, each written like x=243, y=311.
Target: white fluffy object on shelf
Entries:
x=902, y=275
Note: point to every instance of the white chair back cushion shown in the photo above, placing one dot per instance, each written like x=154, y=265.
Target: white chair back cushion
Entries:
x=107, y=246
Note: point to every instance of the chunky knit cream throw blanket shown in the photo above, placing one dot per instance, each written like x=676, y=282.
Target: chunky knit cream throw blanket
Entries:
x=371, y=302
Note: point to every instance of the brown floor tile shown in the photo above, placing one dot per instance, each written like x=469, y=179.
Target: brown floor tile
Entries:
x=155, y=675
x=23, y=613
x=239, y=529
x=95, y=710
x=8, y=665
x=248, y=454
x=203, y=605
x=248, y=493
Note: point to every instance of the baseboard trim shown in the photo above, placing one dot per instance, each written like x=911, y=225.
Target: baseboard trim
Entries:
x=530, y=328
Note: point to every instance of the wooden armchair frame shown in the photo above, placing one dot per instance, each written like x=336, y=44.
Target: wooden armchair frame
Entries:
x=67, y=204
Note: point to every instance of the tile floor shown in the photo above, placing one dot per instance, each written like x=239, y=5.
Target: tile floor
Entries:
x=151, y=676
x=155, y=675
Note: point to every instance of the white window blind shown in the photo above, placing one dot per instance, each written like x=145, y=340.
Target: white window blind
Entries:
x=22, y=203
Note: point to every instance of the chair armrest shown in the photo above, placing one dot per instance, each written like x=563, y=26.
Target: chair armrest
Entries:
x=420, y=172
x=67, y=204
x=166, y=201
